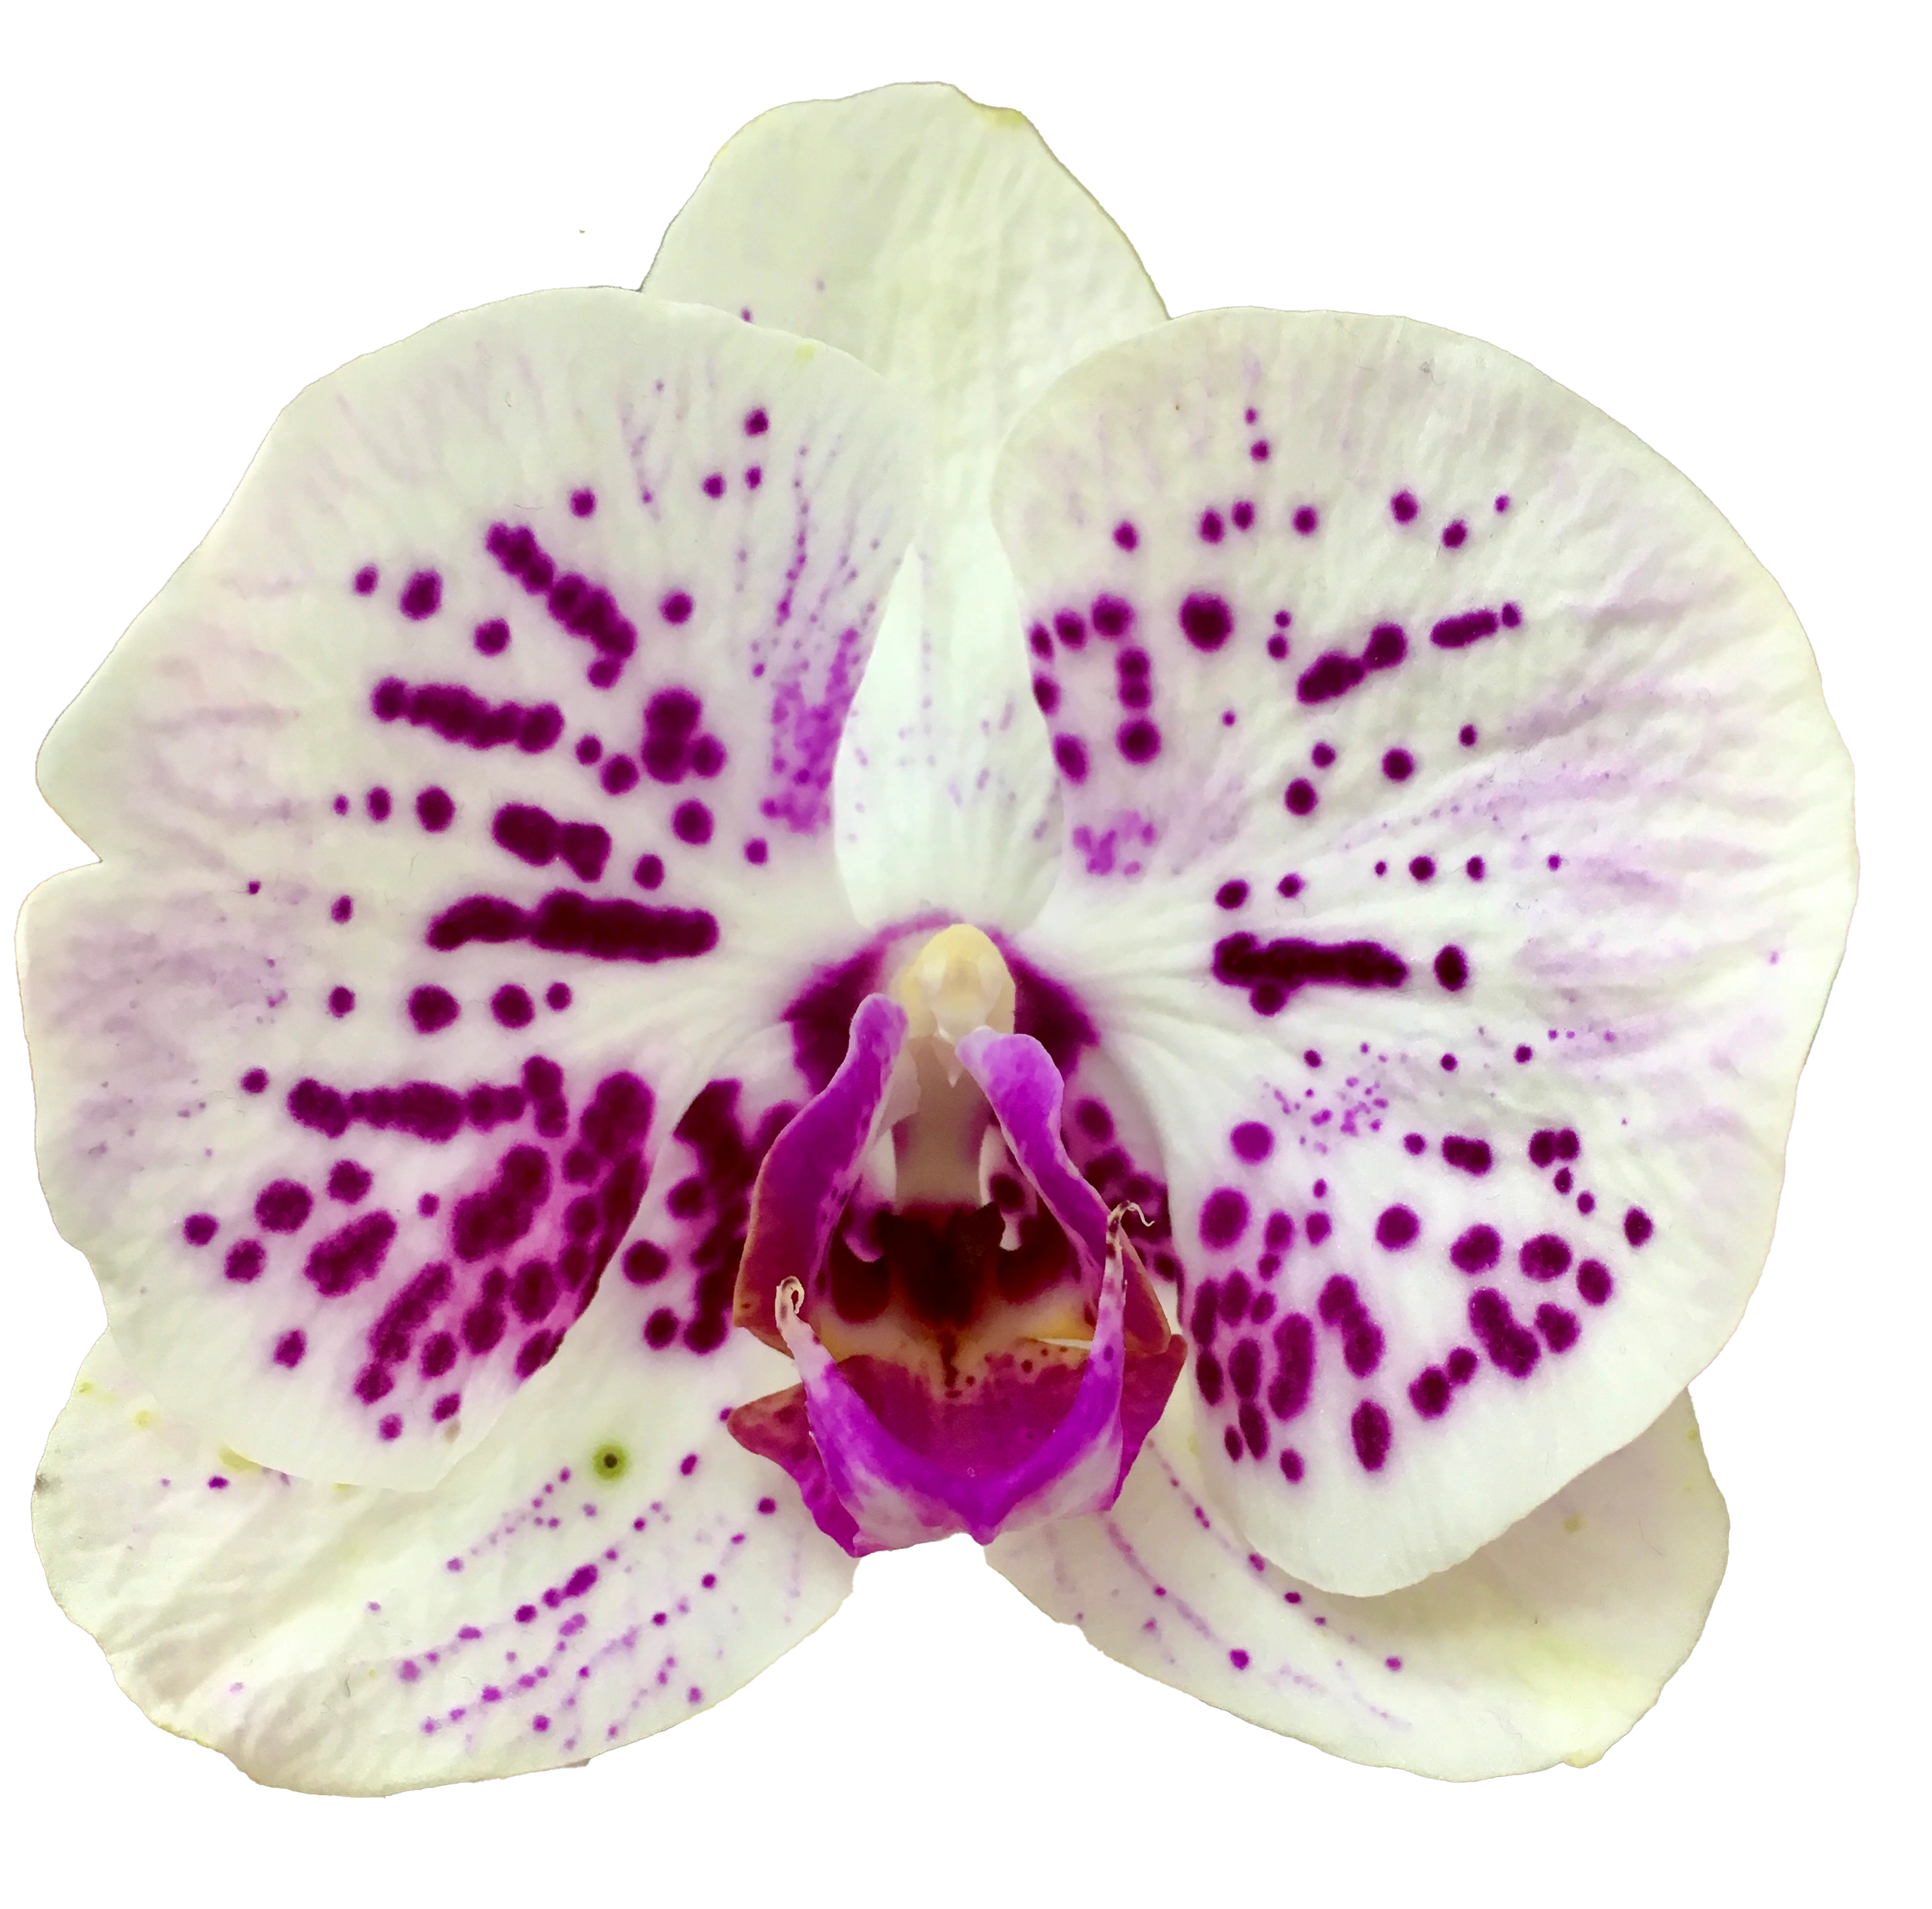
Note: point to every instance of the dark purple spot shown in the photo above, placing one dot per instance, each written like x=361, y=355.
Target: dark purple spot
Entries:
x=284, y=1206
x=565, y=923
x=1402, y=507
x=1334, y=673
x=1511, y=1345
x=432, y=1009
x=511, y=1006
x=1453, y=533
x=349, y=1181
x=1478, y=1249
x=1251, y=1141
x=289, y=1348
x=1398, y=765
x=1243, y=516
x=1452, y=965
x=757, y=851
x=493, y=638
x=1210, y=527
x=1467, y=735
x=1206, y=621
x=676, y=607
x=1299, y=798
x=356, y=1253
x=197, y=1229
x=341, y=908
x=583, y=502
x=691, y=822
x=649, y=873
x=1473, y=868
x=1231, y=894
x=1046, y=694
x=1459, y=632
x=1070, y=752
x=1258, y=451
x=1461, y=1365
x=244, y=1263
x=557, y=996
x=1430, y=1392
x=377, y=801
x=1307, y=520
x=1289, y=886
x=1113, y=616
x=342, y=1001
x=435, y=810
x=1272, y=971
x=366, y=579
x=421, y=595
x=1139, y=741
x=1278, y=647
x=458, y=715
x=1223, y=1218
x=1558, y=1326
x=1594, y=1282
x=1546, y=1257
x=1468, y=1156
x=1396, y=1229
x=255, y=1081
x=1369, y=1428
x=1125, y=535
x=1638, y=1226
x=1414, y=1143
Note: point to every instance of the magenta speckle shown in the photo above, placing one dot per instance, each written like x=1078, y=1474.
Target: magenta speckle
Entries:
x=1252, y=1141
x=1370, y=1430
x=583, y=502
x=1453, y=534
x=1402, y=507
x=421, y=595
x=1307, y=520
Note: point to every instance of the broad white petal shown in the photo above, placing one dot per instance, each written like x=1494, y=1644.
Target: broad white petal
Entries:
x=462, y=794
x=607, y=1564
x=1462, y=852
x=941, y=242
x=1544, y=1647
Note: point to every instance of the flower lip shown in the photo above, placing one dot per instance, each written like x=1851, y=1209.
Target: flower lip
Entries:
x=922, y=1248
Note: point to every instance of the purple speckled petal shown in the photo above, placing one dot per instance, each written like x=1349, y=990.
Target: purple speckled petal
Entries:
x=1461, y=852
x=940, y=243
x=607, y=1564
x=1544, y=1646
x=462, y=796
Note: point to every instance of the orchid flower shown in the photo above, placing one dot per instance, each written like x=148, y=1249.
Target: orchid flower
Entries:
x=876, y=894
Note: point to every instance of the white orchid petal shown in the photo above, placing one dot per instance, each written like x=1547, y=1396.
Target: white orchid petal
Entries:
x=940, y=241
x=609, y=1564
x=1545, y=1646
x=462, y=794
x=1462, y=853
